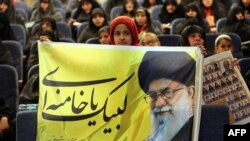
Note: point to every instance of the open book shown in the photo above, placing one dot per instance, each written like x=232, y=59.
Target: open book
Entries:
x=224, y=85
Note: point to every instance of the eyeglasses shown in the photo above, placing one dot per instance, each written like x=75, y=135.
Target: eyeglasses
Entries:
x=165, y=93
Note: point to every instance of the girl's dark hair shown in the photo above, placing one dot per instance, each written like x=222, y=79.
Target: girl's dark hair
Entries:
x=231, y=17
x=147, y=5
x=125, y=10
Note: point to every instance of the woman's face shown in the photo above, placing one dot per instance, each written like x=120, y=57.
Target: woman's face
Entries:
x=246, y=3
x=207, y=3
x=195, y=39
x=223, y=45
x=3, y=7
x=44, y=5
x=140, y=18
x=104, y=37
x=240, y=16
x=129, y=5
x=46, y=25
x=191, y=13
x=122, y=35
x=170, y=8
x=98, y=20
x=152, y=2
x=86, y=7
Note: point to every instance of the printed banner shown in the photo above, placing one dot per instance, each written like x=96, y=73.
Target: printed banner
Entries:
x=99, y=93
x=224, y=85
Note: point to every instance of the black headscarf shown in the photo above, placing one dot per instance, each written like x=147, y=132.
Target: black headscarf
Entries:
x=6, y=32
x=183, y=41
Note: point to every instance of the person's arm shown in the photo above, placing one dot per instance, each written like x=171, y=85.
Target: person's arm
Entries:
x=4, y=117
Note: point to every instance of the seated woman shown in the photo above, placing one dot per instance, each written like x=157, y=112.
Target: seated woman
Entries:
x=193, y=35
x=8, y=7
x=129, y=7
x=46, y=8
x=123, y=31
x=149, y=39
x=150, y=4
x=97, y=20
x=46, y=23
x=236, y=23
x=104, y=35
x=144, y=23
x=6, y=32
x=170, y=11
x=225, y=43
x=83, y=11
x=45, y=35
x=212, y=10
x=193, y=16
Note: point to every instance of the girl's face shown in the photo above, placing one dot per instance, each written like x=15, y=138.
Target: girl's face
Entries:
x=140, y=18
x=46, y=25
x=191, y=13
x=240, y=16
x=207, y=3
x=129, y=5
x=86, y=7
x=122, y=35
x=44, y=5
x=98, y=20
x=223, y=45
x=104, y=37
x=152, y=2
x=195, y=39
x=170, y=8
x=246, y=3
x=3, y=7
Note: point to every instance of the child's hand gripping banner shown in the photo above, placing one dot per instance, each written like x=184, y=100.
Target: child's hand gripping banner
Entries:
x=102, y=93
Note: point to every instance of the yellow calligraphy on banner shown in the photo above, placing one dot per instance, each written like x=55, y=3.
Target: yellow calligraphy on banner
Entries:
x=91, y=93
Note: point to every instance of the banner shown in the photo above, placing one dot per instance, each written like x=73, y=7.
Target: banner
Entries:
x=94, y=93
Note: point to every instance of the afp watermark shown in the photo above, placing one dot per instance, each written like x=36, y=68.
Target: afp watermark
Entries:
x=237, y=132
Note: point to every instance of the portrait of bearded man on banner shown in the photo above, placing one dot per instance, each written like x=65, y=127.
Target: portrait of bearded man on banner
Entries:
x=168, y=80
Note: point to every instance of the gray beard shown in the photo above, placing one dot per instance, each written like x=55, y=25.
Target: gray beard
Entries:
x=166, y=125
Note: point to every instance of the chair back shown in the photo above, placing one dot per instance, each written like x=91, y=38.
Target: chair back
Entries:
x=23, y=13
x=174, y=23
x=62, y=11
x=32, y=70
x=94, y=40
x=67, y=40
x=208, y=122
x=16, y=51
x=169, y=40
x=155, y=12
x=9, y=88
x=26, y=126
x=220, y=23
x=244, y=65
x=81, y=28
x=64, y=29
x=115, y=11
x=20, y=33
x=22, y=5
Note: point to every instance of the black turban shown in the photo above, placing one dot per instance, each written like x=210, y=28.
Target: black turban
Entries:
x=177, y=66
